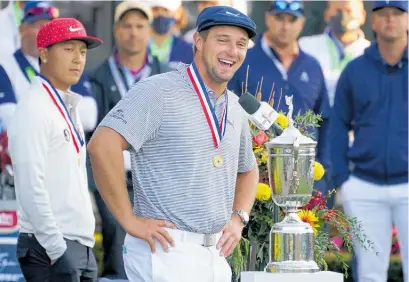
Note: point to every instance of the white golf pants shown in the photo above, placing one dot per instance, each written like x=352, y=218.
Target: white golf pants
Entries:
x=378, y=208
x=188, y=261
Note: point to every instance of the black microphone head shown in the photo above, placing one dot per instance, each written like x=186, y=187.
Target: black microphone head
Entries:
x=249, y=103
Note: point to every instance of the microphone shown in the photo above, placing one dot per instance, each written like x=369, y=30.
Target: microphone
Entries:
x=261, y=113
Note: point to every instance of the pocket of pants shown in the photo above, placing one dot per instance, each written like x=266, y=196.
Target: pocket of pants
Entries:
x=21, y=254
x=30, y=251
x=22, y=247
x=137, y=260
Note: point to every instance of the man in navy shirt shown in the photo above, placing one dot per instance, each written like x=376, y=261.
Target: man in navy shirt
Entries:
x=372, y=100
x=277, y=59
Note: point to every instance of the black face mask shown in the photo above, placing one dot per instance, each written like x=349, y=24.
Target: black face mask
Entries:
x=342, y=22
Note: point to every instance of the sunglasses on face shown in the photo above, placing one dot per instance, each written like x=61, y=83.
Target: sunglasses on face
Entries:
x=285, y=6
x=52, y=12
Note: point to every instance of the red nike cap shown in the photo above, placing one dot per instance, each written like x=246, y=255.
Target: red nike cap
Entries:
x=63, y=29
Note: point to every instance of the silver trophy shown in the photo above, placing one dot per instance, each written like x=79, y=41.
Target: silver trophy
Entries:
x=291, y=159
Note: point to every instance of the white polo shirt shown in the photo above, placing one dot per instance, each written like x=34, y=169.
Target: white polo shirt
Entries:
x=50, y=173
x=322, y=48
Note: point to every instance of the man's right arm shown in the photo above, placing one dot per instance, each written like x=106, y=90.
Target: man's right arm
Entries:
x=340, y=125
x=28, y=146
x=132, y=122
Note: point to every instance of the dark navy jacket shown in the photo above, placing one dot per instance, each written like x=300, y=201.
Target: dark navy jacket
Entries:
x=182, y=51
x=372, y=100
x=304, y=80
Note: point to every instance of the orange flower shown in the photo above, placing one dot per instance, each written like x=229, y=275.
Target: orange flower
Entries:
x=309, y=216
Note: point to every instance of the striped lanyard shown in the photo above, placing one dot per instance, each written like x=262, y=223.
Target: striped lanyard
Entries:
x=217, y=130
x=122, y=77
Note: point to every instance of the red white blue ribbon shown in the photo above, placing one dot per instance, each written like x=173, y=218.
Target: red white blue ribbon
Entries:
x=217, y=130
x=58, y=102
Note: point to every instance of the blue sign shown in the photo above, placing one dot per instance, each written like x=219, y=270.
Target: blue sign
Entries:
x=9, y=266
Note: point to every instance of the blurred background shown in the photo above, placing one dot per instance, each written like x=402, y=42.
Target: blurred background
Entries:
x=98, y=18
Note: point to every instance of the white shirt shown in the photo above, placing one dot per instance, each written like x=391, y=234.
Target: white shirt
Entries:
x=88, y=108
x=10, y=35
x=319, y=47
x=50, y=176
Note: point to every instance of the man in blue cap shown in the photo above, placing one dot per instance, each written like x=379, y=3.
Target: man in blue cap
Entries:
x=372, y=100
x=193, y=168
x=288, y=71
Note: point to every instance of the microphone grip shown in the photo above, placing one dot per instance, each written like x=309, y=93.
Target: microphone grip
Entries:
x=276, y=129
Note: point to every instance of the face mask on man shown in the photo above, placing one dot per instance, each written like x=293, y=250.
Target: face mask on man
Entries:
x=343, y=22
x=162, y=24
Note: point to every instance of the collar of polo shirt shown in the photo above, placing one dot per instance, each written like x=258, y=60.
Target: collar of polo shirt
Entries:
x=70, y=98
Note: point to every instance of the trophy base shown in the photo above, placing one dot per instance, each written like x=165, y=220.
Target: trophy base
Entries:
x=292, y=267
x=292, y=246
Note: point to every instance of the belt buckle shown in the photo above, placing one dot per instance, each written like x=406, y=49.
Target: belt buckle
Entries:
x=209, y=240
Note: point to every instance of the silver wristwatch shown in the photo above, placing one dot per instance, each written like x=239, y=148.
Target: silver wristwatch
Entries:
x=244, y=216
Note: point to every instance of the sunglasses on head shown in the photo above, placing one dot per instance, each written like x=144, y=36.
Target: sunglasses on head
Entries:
x=52, y=12
x=295, y=6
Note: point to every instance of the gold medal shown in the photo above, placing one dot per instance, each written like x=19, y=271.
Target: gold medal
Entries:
x=218, y=161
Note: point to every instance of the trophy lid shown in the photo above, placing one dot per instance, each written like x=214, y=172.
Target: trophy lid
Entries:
x=288, y=137
x=290, y=134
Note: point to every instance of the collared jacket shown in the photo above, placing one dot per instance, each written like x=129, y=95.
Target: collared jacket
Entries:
x=372, y=100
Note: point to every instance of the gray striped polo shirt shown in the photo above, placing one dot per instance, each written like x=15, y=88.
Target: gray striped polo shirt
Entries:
x=172, y=152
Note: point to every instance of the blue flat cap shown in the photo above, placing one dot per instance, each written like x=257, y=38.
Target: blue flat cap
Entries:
x=224, y=15
x=401, y=5
x=39, y=10
x=295, y=7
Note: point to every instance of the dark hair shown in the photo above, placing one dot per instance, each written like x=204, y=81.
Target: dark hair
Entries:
x=203, y=34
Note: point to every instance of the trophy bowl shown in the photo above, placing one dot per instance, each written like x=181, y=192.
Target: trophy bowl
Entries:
x=291, y=158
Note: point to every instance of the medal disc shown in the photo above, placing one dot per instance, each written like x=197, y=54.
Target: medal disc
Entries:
x=217, y=161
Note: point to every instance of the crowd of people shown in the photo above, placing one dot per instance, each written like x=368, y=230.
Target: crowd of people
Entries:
x=163, y=110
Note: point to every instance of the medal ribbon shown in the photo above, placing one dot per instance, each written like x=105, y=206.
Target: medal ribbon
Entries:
x=123, y=79
x=78, y=142
x=217, y=130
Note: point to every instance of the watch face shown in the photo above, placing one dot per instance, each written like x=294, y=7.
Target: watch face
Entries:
x=246, y=217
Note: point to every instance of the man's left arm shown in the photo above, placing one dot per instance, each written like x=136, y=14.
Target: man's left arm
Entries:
x=245, y=192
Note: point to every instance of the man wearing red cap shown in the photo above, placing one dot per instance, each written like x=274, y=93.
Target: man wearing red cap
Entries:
x=47, y=150
x=17, y=69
